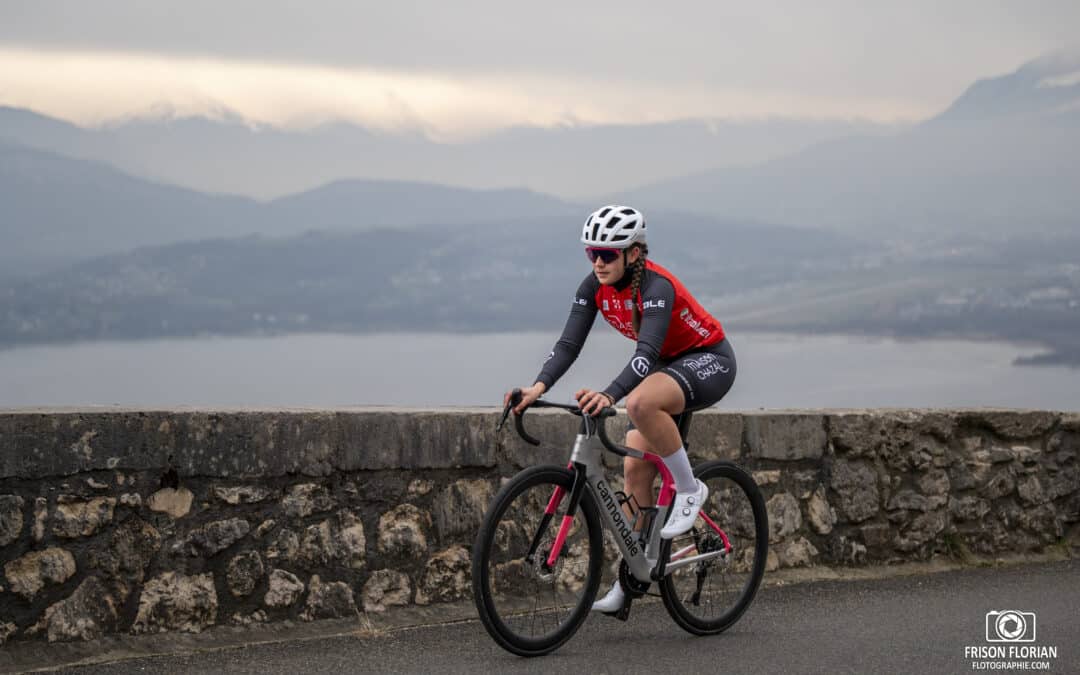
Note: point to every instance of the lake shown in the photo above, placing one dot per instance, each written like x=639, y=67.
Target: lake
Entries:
x=775, y=371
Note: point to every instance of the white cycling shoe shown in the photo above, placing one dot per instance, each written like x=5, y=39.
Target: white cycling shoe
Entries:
x=685, y=511
x=612, y=602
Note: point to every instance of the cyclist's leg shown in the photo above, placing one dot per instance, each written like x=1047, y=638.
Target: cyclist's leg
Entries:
x=651, y=407
x=638, y=474
x=691, y=381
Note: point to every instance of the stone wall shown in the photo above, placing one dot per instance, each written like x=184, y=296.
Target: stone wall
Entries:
x=141, y=522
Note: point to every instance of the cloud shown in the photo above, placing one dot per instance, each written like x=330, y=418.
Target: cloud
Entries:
x=95, y=87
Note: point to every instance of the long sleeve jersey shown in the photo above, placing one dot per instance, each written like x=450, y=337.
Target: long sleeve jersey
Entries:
x=672, y=323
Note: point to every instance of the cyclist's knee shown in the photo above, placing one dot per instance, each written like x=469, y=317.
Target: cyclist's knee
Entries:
x=640, y=405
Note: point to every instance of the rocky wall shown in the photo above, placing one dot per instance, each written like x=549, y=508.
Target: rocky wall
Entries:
x=149, y=521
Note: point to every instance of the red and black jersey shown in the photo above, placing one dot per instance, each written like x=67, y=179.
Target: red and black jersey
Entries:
x=672, y=323
x=690, y=326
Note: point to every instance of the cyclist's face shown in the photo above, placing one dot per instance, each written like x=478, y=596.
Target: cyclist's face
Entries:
x=610, y=273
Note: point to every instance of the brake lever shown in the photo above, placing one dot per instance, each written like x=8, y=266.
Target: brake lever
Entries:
x=515, y=398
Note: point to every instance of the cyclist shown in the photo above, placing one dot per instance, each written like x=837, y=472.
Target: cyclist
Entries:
x=682, y=361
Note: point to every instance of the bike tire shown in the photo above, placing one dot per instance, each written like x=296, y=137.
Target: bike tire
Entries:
x=734, y=497
x=499, y=551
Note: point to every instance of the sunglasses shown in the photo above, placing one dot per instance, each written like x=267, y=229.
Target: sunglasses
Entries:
x=608, y=255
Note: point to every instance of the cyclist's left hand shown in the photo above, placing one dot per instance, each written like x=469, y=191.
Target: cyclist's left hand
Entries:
x=592, y=402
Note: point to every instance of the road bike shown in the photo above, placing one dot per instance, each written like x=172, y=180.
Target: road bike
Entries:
x=537, y=560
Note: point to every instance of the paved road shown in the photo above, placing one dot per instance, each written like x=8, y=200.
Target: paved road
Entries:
x=914, y=624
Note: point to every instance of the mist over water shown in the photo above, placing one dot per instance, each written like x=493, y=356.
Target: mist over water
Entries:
x=405, y=369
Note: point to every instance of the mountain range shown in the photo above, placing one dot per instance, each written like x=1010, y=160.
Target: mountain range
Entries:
x=1003, y=158
x=55, y=210
x=94, y=244
x=226, y=154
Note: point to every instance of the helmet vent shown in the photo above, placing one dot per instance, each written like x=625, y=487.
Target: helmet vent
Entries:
x=627, y=212
x=604, y=212
x=595, y=230
x=615, y=220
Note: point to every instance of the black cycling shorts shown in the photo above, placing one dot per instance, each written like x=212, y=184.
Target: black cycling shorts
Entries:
x=705, y=375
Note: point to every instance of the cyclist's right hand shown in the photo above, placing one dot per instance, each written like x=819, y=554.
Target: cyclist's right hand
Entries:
x=528, y=397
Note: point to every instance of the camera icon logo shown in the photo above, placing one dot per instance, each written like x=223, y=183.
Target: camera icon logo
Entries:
x=1010, y=625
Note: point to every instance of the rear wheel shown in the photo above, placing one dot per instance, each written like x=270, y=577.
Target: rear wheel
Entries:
x=529, y=608
x=708, y=597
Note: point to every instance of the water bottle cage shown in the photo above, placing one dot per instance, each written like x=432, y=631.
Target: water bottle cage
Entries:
x=645, y=515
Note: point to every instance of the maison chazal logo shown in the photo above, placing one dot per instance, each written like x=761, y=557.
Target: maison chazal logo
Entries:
x=1011, y=644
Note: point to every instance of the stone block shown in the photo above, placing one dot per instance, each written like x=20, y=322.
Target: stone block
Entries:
x=821, y=515
x=386, y=588
x=1030, y=491
x=715, y=434
x=446, y=577
x=132, y=545
x=215, y=537
x=785, y=517
x=969, y=508
x=459, y=509
x=797, y=553
x=788, y=436
x=172, y=601
x=856, y=487
x=284, y=589
x=876, y=534
x=330, y=600
x=867, y=433
x=423, y=439
x=32, y=572
x=87, y=614
x=403, y=531
x=11, y=518
x=174, y=502
x=75, y=517
x=1015, y=425
x=303, y=500
x=244, y=573
x=1000, y=485
x=923, y=529
x=338, y=540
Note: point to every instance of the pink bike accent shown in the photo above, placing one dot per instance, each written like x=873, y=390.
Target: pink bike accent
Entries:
x=714, y=526
x=557, y=497
x=667, y=482
x=560, y=539
x=554, y=502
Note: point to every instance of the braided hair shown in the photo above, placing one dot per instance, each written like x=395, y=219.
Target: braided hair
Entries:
x=635, y=285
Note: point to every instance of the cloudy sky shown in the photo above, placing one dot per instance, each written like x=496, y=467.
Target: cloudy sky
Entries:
x=469, y=66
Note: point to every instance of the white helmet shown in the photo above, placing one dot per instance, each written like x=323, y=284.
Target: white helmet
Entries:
x=614, y=226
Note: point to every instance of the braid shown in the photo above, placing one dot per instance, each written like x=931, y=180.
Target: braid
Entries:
x=635, y=286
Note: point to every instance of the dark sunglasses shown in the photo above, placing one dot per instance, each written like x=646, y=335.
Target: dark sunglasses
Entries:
x=608, y=255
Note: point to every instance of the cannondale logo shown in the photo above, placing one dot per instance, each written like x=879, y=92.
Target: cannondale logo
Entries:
x=640, y=364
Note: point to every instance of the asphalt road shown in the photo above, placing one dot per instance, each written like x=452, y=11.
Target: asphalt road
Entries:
x=912, y=624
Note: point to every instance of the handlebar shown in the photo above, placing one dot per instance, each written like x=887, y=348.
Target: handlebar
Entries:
x=598, y=420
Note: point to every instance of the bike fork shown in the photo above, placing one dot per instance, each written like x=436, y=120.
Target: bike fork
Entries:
x=576, y=489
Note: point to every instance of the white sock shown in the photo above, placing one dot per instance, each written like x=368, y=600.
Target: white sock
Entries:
x=679, y=466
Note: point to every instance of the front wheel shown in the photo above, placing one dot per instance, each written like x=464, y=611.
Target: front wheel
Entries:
x=527, y=606
x=708, y=597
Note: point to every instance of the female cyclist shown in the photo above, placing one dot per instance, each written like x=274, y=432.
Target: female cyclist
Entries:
x=682, y=361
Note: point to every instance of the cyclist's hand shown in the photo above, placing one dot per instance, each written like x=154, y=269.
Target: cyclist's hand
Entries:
x=528, y=397
x=592, y=402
